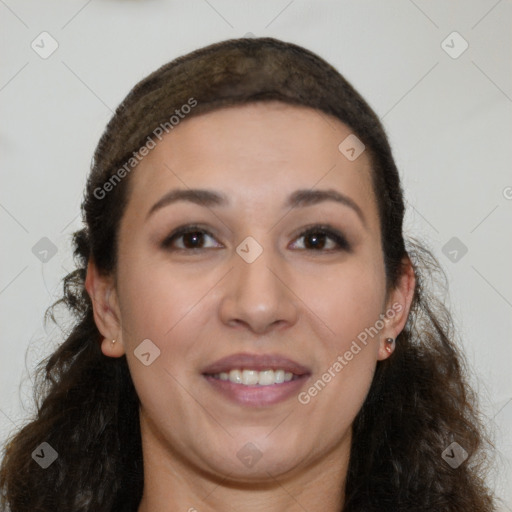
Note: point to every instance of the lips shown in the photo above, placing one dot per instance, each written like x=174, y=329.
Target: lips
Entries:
x=258, y=362
x=288, y=377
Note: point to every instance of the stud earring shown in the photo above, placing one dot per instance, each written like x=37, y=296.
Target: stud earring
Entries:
x=113, y=341
x=390, y=345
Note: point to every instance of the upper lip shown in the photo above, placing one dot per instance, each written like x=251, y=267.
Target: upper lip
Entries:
x=258, y=362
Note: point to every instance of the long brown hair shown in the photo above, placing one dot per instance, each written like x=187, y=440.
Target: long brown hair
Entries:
x=87, y=408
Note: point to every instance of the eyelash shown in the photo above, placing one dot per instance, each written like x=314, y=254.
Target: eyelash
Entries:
x=322, y=229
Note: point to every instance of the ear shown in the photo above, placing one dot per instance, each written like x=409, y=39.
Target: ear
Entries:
x=397, y=309
x=102, y=291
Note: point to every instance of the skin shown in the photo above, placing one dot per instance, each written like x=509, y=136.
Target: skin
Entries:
x=304, y=303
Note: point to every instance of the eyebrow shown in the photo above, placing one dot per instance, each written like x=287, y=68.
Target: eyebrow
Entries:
x=298, y=199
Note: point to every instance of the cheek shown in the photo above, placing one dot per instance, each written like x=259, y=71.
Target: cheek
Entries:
x=336, y=395
x=167, y=306
x=349, y=354
x=155, y=299
x=164, y=307
x=350, y=305
x=348, y=298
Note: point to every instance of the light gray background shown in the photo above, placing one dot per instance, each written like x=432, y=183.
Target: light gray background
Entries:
x=448, y=119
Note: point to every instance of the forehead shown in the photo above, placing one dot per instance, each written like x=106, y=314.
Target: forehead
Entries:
x=256, y=153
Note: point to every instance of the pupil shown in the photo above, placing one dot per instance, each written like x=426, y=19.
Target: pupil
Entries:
x=194, y=235
x=315, y=238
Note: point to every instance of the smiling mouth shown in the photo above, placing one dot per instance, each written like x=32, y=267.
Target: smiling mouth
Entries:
x=247, y=377
x=256, y=380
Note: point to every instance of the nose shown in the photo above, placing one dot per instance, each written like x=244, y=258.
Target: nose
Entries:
x=258, y=295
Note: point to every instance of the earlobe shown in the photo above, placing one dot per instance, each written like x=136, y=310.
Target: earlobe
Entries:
x=112, y=348
x=386, y=348
x=399, y=303
x=390, y=345
x=101, y=290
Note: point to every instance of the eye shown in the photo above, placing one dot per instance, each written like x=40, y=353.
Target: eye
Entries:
x=192, y=238
x=316, y=239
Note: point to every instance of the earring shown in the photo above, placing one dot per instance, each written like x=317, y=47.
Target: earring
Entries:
x=390, y=345
x=113, y=341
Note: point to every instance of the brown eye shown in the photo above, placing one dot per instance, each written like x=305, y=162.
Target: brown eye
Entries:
x=192, y=237
x=316, y=239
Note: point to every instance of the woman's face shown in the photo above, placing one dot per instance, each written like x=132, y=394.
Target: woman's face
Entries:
x=249, y=289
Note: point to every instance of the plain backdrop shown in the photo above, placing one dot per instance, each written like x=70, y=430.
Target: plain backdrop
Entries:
x=438, y=74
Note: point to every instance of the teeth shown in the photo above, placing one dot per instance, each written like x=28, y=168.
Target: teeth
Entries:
x=235, y=376
x=250, y=377
x=266, y=377
x=255, y=377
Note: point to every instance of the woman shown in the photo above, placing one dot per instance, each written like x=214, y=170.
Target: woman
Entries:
x=251, y=332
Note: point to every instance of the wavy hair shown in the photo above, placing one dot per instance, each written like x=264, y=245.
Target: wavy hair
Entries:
x=87, y=407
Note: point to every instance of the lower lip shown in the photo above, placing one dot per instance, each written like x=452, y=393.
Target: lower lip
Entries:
x=257, y=396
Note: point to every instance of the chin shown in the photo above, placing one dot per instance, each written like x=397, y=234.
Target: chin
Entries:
x=244, y=457
x=255, y=468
